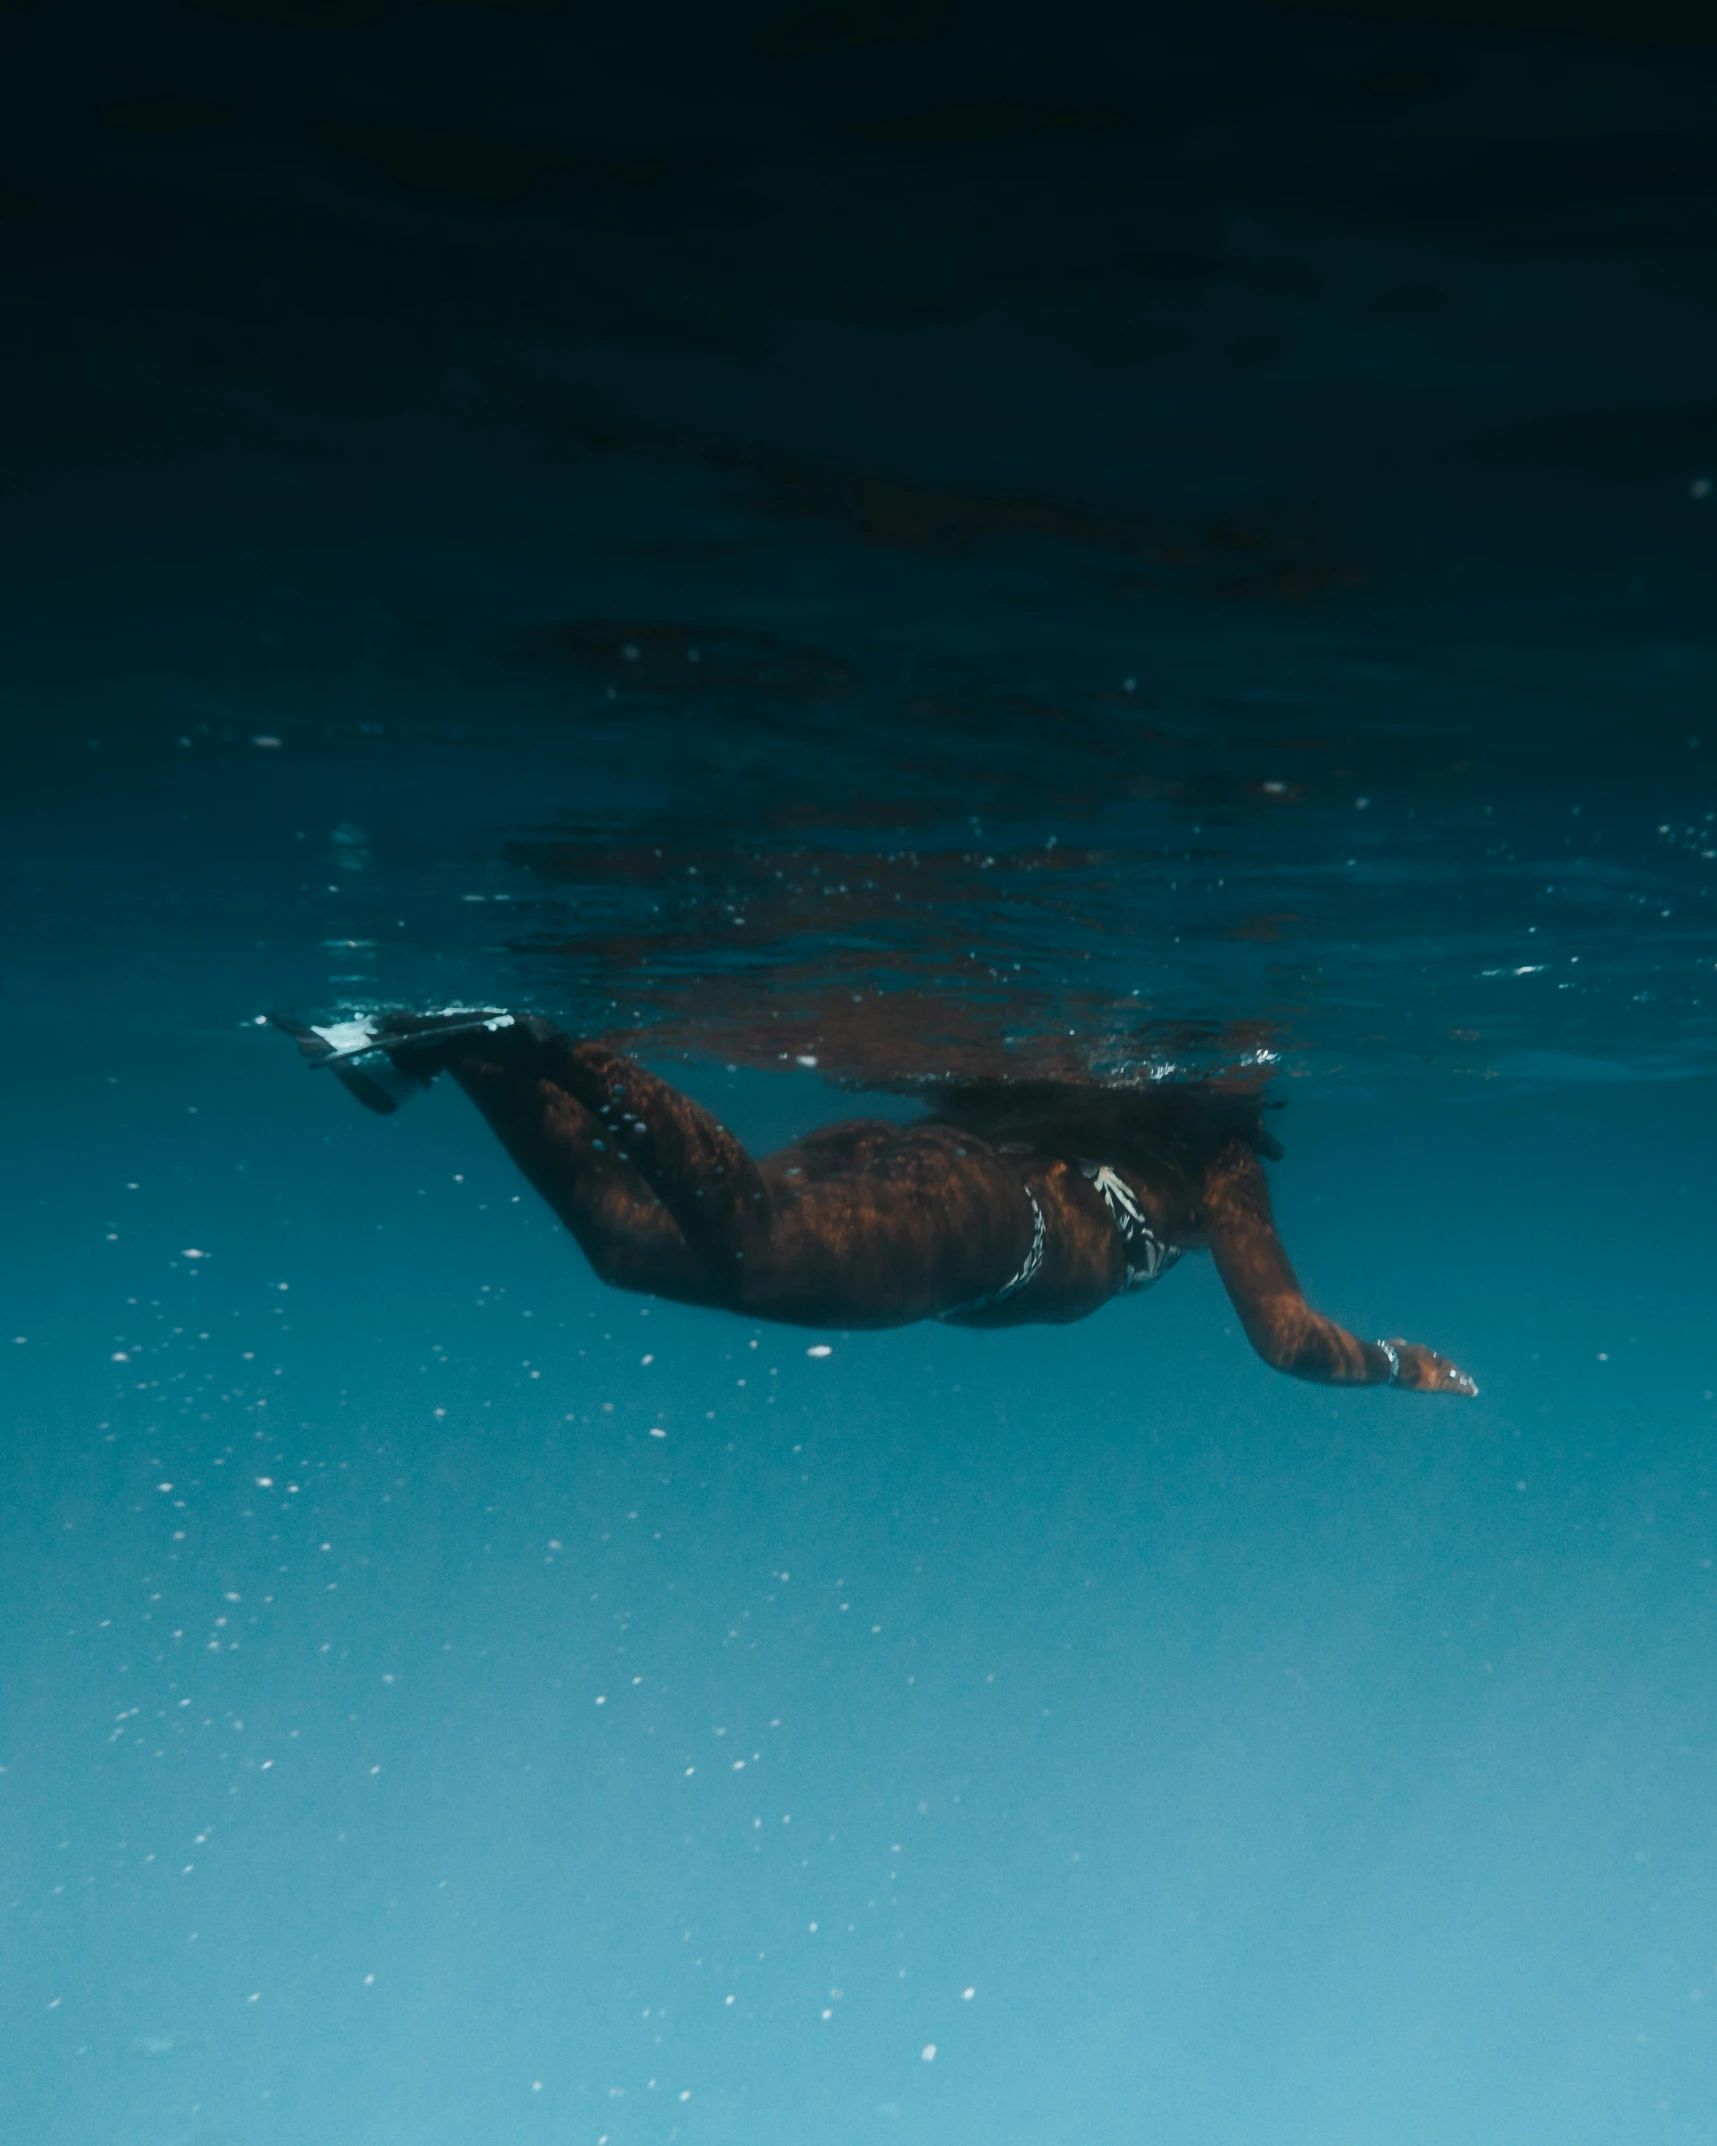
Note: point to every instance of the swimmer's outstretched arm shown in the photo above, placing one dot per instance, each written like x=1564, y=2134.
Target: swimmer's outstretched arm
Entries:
x=1279, y=1323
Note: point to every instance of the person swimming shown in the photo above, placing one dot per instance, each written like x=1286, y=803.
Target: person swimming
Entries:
x=1008, y=1203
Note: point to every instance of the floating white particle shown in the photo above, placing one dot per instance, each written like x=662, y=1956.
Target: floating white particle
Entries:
x=191, y=1252
x=927, y=2055
x=806, y=1058
x=266, y=744
x=968, y=1995
x=658, y=1432
x=265, y=1482
x=819, y=1348
x=120, y=1356
x=602, y=1698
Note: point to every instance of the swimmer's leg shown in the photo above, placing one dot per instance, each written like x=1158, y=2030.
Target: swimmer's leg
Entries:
x=629, y=1237
x=575, y=1115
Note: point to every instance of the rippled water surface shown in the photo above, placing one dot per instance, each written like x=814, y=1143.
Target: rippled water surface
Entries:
x=835, y=546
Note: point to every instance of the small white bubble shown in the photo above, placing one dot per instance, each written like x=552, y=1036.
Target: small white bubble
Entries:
x=819, y=1348
x=927, y=2055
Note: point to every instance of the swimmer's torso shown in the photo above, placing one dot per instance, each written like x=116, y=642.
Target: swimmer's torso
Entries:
x=876, y=1224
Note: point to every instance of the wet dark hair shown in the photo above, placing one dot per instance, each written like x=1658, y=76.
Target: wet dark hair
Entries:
x=1181, y=1126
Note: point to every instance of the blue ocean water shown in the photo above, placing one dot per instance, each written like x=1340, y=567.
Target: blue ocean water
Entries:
x=833, y=544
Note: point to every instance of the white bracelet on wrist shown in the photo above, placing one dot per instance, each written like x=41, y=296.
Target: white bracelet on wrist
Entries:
x=1394, y=1355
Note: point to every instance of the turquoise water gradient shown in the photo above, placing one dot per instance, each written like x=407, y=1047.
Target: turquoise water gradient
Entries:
x=1261, y=1757
x=893, y=536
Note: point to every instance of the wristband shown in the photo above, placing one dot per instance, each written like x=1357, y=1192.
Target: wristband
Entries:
x=1394, y=1355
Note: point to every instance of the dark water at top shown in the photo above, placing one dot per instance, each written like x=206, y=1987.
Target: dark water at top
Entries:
x=837, y=544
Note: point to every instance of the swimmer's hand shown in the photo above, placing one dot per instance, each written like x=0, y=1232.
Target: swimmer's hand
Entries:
x=1424, y=1371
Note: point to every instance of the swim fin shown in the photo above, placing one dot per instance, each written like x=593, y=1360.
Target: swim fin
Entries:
x=370, y=1055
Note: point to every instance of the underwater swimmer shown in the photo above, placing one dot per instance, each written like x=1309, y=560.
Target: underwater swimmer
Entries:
x=1009, y=1203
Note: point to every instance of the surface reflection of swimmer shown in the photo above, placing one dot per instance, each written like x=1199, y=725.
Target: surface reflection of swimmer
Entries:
x=1010, y=1203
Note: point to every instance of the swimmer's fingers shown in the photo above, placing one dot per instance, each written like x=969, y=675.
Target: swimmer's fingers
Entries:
x=1424, y=1371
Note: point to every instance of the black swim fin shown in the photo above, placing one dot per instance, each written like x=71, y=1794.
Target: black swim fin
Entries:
x=370, y=1055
